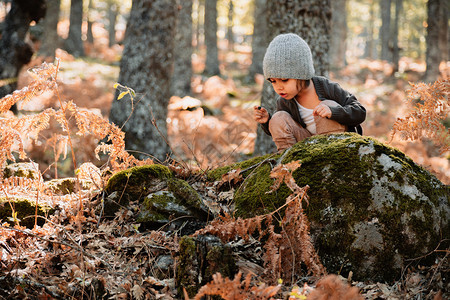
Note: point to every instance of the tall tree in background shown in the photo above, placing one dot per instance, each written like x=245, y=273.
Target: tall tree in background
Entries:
x=259, y=39
x=14, y=50
x=198, y=28
x=444, y=31
x=395, y=32
x=146, y=67
x=182, y=73
x=50, y=26
x=369, y=50
x=433, y=54
x=112, y=20
x=385, y=30
x=210, y=27
x=230, y=35
x=90, y=22
x=311, y=20
x=338, y=34
x=74, y=43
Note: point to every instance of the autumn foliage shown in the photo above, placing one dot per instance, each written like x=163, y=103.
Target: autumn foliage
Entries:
x=431, y=106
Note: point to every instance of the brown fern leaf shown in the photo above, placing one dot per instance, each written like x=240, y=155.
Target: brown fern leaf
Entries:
x=331, y=287
x=44, y=79
x=10, y=140
x=425, y=118
x=283, y=173
x=227, y=227
x=235, y=289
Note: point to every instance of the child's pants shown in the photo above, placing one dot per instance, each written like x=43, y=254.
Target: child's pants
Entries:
x=286, y=132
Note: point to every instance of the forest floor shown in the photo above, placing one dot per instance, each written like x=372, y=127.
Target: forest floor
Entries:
x=211, y=128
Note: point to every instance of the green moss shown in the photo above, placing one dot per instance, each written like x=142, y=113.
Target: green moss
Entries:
x=220, y=260
x=62, y=186
x=159, y=207
x=25, y=209
x=187, y=196
x=138, y=181
x=216, y=174
x=22, y=169
x=187, y=275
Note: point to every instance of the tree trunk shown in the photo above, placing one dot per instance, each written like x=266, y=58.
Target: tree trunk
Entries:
x=385, y=30
x=181, y=79
x=310, y=19
x=14, y=51
x=112, y=18
x=199, y=20
x=146, y=67
x=212, y=51
x=90, y=23
x=230, y=35
x=433, y=55
x=74, y=42
x=395, y=47
x=50, y=26
x=443, y=33
x=338, y=34
x=369, y=51
x=259, y=39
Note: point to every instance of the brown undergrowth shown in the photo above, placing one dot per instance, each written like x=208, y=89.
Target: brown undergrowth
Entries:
x=431, y=106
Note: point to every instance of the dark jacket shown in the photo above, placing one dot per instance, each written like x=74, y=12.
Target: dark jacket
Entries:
x=350, y=113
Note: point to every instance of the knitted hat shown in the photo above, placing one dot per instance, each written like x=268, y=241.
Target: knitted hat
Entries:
x=288, y=56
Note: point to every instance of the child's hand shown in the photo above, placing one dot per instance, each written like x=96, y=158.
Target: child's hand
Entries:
x=322, y=110
x=260, y=114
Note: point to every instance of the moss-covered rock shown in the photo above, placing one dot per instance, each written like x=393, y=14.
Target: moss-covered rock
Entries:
x=187, y=196
x=371, y=207
x=160, y=208
x=25, y=210
x=201, y=257
x=22, y=169
x=134, y=184
x=68, y=185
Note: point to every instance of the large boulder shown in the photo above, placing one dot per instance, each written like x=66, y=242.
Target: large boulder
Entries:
x=372, y=209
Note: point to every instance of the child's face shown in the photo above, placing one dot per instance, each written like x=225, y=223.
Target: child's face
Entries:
x=286, y=88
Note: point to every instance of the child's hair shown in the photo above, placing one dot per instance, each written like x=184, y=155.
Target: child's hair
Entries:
x=288, y=56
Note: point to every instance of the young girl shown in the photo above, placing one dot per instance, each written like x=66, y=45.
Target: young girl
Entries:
x=308, y=104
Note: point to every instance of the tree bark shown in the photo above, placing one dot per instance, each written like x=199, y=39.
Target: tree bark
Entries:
x=212, y=51
x=433, y=54
x=443, y=33
x=51, y=40
x=74, y=42
x=369, y=51
x=385, y=30
x=310, y=20
x=14, y=50
x=112, y=18
x=230, y=35
x=181, y=79
x=90, y=23
x=338, y=34
x=259, y=39
x=146, y=67
x=395, y=46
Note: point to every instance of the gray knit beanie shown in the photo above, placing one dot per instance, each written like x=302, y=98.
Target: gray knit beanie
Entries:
x=288, y=56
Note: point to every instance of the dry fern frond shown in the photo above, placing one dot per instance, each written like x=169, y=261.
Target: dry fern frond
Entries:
x=331, y=287
x=44, y=79
x=235, y=289
x=227, y=227
x=425, y=118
